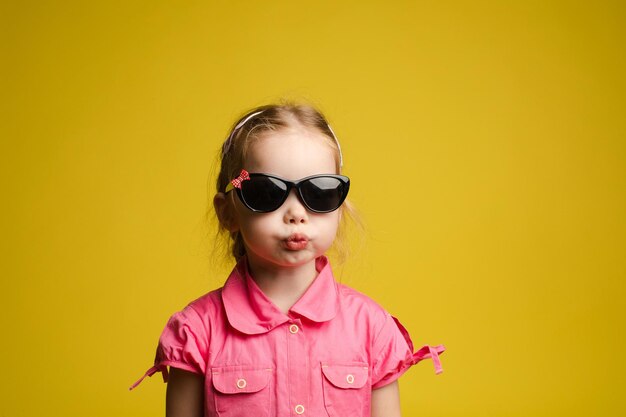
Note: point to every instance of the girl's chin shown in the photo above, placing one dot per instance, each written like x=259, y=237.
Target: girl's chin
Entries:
x=284, y=258
x=292, y=259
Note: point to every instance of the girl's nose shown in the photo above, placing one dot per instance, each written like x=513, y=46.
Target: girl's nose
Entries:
x=295, y=212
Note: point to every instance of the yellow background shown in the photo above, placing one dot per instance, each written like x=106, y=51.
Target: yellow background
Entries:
x=485, y=141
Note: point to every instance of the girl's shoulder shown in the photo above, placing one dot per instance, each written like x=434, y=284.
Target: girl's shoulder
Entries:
x=355, y=301
x=208, y=304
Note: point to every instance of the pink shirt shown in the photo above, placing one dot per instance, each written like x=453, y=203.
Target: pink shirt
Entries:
x=322, y=358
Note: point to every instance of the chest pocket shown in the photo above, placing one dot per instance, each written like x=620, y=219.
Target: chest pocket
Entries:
x=242, y=391
x=346, y=391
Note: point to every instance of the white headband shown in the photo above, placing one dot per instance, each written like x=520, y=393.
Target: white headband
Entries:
x=338, y=146
x=227, y=144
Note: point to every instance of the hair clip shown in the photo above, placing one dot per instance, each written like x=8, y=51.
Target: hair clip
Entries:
x=236, y=183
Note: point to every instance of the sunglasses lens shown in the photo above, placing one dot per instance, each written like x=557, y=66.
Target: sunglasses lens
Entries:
x=263, y=193
x=323, y=194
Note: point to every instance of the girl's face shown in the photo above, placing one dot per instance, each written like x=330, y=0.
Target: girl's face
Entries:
x=291, y=235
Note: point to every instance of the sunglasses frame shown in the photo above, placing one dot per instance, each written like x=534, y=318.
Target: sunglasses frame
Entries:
x=290, y=185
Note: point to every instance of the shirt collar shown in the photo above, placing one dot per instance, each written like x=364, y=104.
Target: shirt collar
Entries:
x=250, y=311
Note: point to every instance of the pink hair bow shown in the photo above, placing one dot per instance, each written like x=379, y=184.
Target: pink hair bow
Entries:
x=241, y=178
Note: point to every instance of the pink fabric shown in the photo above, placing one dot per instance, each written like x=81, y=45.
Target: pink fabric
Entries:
x=322, y=358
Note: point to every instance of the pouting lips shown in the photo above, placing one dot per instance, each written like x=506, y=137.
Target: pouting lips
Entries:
x=296, y=241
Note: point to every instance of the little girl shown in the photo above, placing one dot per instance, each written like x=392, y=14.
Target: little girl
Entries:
x=282, y=337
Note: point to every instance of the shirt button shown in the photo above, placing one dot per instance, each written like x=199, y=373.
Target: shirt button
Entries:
x=294, y=328
x=299, y=409
x=241, y=383
x=350, y=379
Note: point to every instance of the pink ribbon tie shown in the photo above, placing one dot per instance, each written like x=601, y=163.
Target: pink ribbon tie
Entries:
x=150, y=372
x=430, y=352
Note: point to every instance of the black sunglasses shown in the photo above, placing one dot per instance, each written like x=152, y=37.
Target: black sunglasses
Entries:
x=263, y=193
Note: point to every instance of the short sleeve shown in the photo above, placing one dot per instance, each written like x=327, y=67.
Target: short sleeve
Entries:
x=183, y=344
x=393, y=353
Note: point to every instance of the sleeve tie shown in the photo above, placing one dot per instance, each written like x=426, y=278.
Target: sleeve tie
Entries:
x=150, y=372
x=431, y=352
x=425, y=351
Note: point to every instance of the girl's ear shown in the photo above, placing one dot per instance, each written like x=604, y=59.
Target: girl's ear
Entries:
x=225, y=212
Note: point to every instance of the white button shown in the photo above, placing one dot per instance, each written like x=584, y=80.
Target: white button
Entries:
x=350, y=379
x=299, y=409
x=241, y=383
x=293, y=328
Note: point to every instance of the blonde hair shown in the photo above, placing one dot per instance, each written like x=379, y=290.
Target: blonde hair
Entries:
x=252, y=126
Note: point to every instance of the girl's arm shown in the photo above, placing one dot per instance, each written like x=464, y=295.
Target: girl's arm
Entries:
x=185, y=394
x=386, y=401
